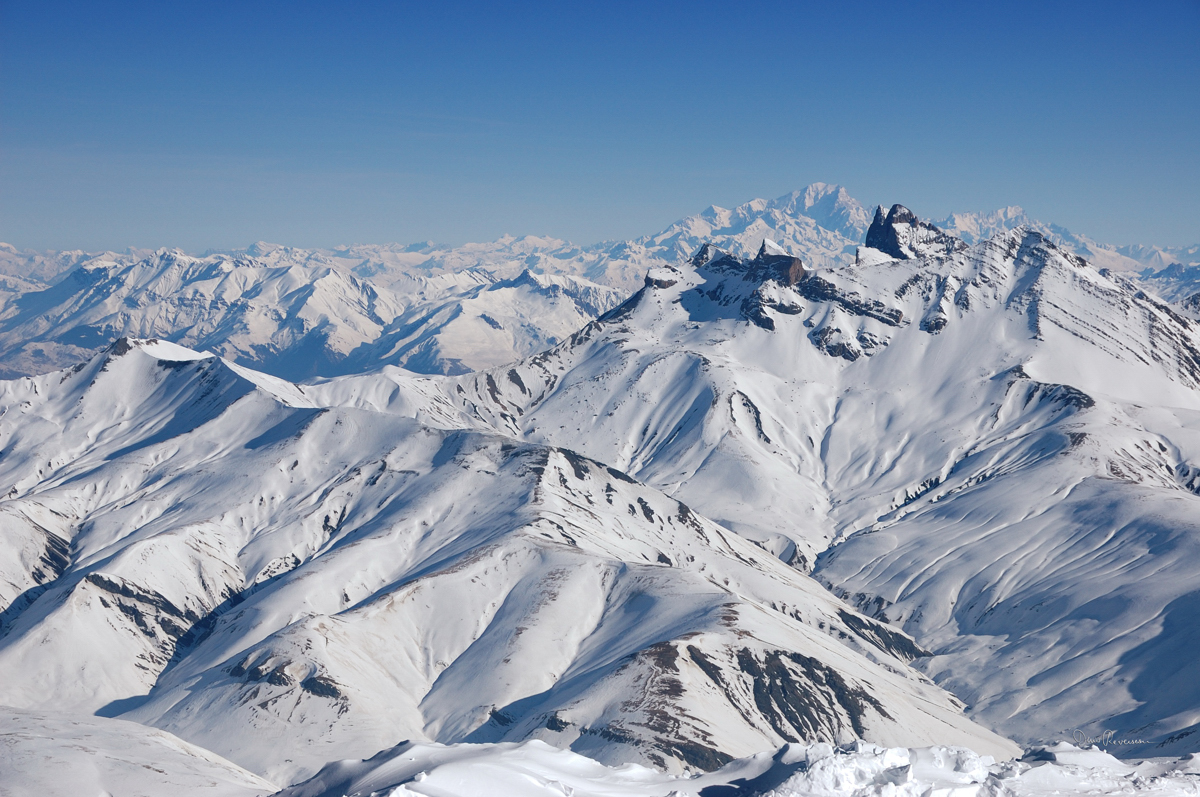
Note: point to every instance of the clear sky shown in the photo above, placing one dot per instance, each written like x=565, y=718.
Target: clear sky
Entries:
x=216, y=124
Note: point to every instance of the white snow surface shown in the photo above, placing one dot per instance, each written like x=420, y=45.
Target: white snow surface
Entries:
x=50, y=754
x=816, y=770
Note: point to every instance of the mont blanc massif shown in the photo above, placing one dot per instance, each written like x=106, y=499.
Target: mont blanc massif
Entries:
x=794, y=498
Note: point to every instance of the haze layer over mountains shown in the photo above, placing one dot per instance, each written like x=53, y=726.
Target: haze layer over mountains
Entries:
x=825, y=476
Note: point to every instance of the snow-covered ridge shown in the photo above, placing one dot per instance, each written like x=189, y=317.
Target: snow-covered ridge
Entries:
x=438, y=309
x=286, y=580
x=296, y=321
x=848, y=419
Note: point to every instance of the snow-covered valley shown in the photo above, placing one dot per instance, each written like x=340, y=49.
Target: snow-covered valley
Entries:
x=828, y=503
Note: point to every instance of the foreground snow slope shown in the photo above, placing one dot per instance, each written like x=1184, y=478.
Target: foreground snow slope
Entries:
x=793, y=771
x=49, y=754
x=284, y=581
x=996, y=447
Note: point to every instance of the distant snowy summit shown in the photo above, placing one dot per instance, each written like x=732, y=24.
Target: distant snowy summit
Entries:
x=305, y=313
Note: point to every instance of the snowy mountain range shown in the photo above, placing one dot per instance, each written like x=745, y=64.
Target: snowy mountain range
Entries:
x=300, y=313
x=967, y=442
x=907, y=489
x=284, y=578
x=296, y=321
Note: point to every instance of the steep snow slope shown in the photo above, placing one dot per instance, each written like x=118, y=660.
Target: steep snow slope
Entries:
x=288, y=582
x=1002, y=442
x=47, y=754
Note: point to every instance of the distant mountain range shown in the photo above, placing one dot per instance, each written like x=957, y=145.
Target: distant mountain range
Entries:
x=302, y=313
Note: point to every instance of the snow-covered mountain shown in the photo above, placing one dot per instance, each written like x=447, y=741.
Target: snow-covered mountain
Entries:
x=293, y=320
x=299, y=313
x=821, y=221
x=995, y=448
x=976, y=227
x=296, y=321
x=769, y=497
x=493, y=323
x=45, y=268
x=285, y=580
x=900, y=234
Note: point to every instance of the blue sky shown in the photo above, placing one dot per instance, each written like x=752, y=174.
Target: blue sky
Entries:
x=317, y=124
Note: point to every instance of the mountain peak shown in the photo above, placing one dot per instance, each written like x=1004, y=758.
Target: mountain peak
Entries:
x=769, y=248
x=900, y=234
x=706, y=254
x=158, y=349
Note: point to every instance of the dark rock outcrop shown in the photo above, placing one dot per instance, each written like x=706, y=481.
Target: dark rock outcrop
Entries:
x=902, y=235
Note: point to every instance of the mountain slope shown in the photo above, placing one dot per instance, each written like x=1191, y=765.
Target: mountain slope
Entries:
x=494, y=323
x=976, y=227
x=993, y=447
x=57, y=755
x=284, y=581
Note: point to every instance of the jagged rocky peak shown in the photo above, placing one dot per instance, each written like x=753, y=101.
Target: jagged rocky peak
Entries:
x=900, y=234
x=789, y=267
x=706, y=254
x=772, y=262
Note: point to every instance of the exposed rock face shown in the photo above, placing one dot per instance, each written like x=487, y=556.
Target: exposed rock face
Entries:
x=903, y=236
x=788, y=268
